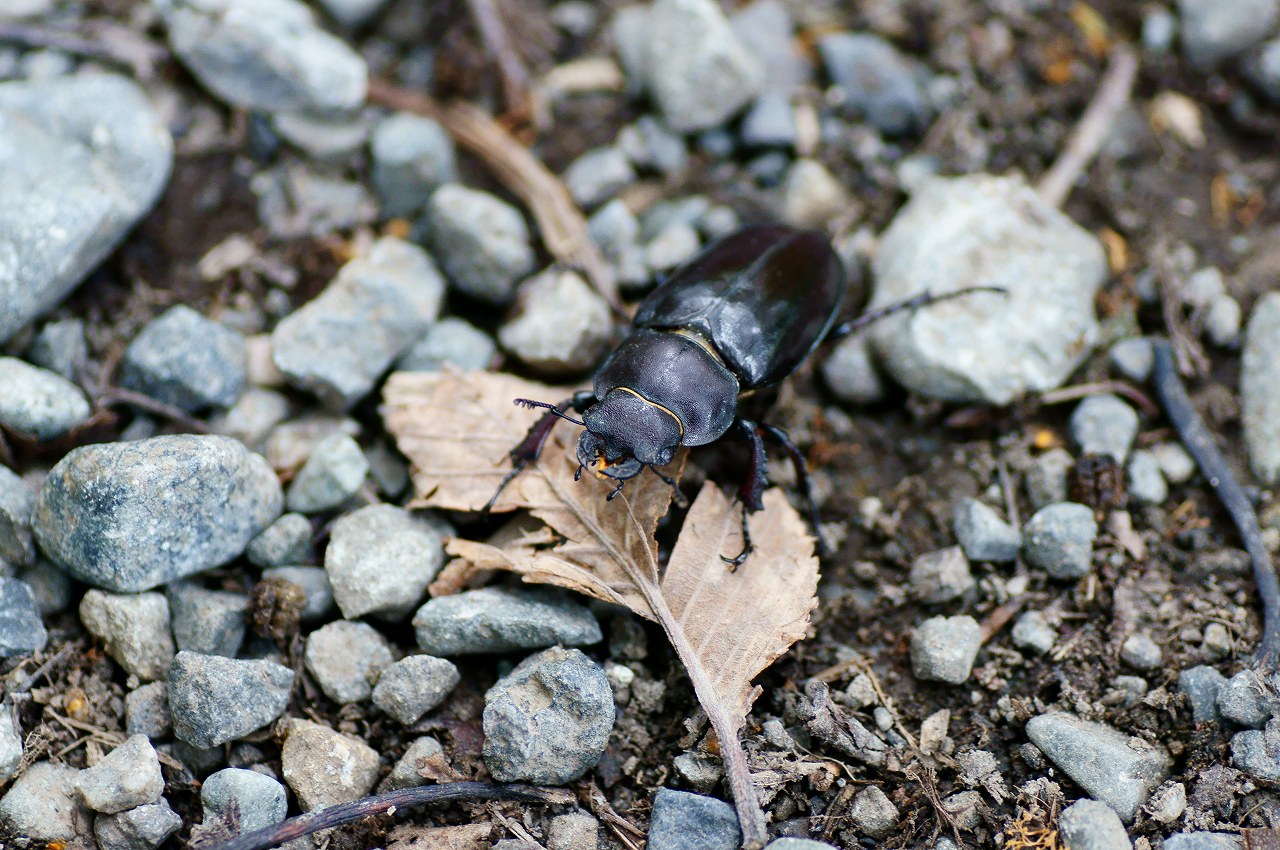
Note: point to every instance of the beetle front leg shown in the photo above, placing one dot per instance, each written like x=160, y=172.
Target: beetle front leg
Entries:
x=751, y=491
x=802, y=479
x=530, y=448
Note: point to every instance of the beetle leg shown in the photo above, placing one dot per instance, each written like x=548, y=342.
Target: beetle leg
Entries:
x=616, y=490
x=924, y=299
x=530, y=447
x=751, y=491
x=802, y=479
x=678, y=496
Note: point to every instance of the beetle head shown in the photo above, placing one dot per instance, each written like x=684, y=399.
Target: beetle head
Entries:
x=625, y=433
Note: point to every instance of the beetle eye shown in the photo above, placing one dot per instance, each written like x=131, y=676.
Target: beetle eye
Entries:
x=664, y=457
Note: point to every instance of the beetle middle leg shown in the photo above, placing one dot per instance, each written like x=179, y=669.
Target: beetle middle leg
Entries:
x=751, y=492
x=530, y=447
x=803, y=480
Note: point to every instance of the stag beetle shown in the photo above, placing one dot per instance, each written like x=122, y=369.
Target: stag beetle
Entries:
x=706, y=347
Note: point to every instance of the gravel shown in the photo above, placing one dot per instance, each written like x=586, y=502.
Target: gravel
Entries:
x=482, y=242
x=338, y=344
x=1104, y=424
x=21, y=630
x=314, y=582
x=414, y=685
x=1176, y=464
x=809, y=844
x=573, y=831
x=1133, y=358
x=85, y=156
x=140, y=828
x=1248, y=700
x=215, y=699
x=812, y=196
x=1058, y=539
x=873, y=814
x=50, y=586
x=265, y=55
x=1168, y=802
x=877, y=83
x=940, y=576
x=674, y=244
x=345, y=659
x=146, y=711
x=449, y=340
x=412, y=155
x=186, y=360
x=1141, y=652
x=1213, y=33
x=1090, y=825
x=324, y=767
x=983, y=534
x=548, y=721
x=242, y=800
x=1201, y=685
x=1047, y=477
x=331, y=477
x=850, y=371
x=1146, y=482
x=381, y=558
x=1033, y=632
x=684, y=821
x=135, y=628
x=559, y=326
x=285, y=541
x=10, y=743
x=251, y=418
x=127, y=777
x=211, y=622
x=987, y=347
x=61, y=347
x=943, y=648
x=405, y=773
x=1260, y=389
x=496, y=620
x=770, y=122
x=38, y=403
x=1222, y=321
x=42, y=805
x=1110, y=766
x=1258, y=752
x=1204, y=841
x=598, y=175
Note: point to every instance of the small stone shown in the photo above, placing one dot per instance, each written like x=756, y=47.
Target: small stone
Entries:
x=1090, y=825
x=186, y=360
x=42, y=804
x=285, y=541
x=381, y=558
x=146, y=711
x=130, y=516
x=406, y=773
x=127, y=777
x=1248, y=700
x=496, y=620
x=650, y=144
x=1047, y=477
x=851, y=373
x=860, y=692
x=548, y=721
x=598, y=175
x=10, y=743
x=243, y=800
x=296, y=200
x=1203, y=841
x=324, y=767
x=1110, y=766
x=135, y=628
x=943, y=649
x=1258, y=753
x=353, y=13
x=21, y=630
x=339, y=343
x=878, y=83
x=1260, y=389
x=1222, y=321
x=324, y=137
x=684, y=821
x=207, y=621
x=61, y=347
x=482, y=242
x=697, y=771
x=1217, y=643
x=873, y=813
x=983, y=534
x=789, y=843
x=1141, y=652
x=388, y=469
x=559, y=325
x=812, y=196
x=941, y=576
x=1261, y=67
x=1059, y=539
x=414, y=685
x=1168, y=803
x=615, y=229
x=1176, y=465
x=676, y=243
x=1103, y=424
x=412, y=155
x=1133, y=358
x=573, y=831
x=1212, y=32
x=1033, y=632
x=330, y=478
x=1201, y=685
x=449, y=340
x=345, y=658
x=38, y=403
x=1146, y=483
x=314, y=582
x=50, y=586
x=215, y=699
x=1159, y=28
x=265, y=56
x=142, y=828
x=251, y=419
x=17, y=503
x=770, y=122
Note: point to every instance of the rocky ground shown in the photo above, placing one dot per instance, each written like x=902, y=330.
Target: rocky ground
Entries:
x=224, y=222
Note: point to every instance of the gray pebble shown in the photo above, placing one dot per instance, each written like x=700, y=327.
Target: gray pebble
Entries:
x=388, y=469
x=1212, y=32
x=405, y=772
x=986, y=347
x=340, y=343
x=146, y=711
x=615, y=229
x=1047, y=477
x=718, y=220
x=1110, y=766
x=1260, y=389
x=1258, y=753
x=10, y=743
x=352, y=13
x=1176, y=465
x=1202, y=286
x=1159, y=28
x=812, y=196
x=412, y=155
x=127, y=777
x=215, y=699
x=17, y=502
x=327, y=136
x=449, y=340
x=243, y=800
x=187, y=360
x=675, y=244
x=345, y=658
x=1248, y=700
x=983, y=534
x=766, y=29
x=482, y=243
x=1141, y=652
x=1222, y=321
x=559, y=325
x=314, y=582
x=684, y=821
x=573, y=831
x=1033, y=632
x=178, y=505
x=1201, y=686
x=940, y=576
x=789, y=843
x=42, y=804
x=770, y=122
x=61, y=347
x=496, y=620
x=879, y=84
x=1262, y=67
x=211, y=622
x=687, y=211
x=1204, y=841
x=21, y=630
x=414, y=685
x=629, y=31
x=698, y=772
x=650, y=144
x=296, y=200
x=1146, y=484
x=86, y=156
x=265, y=56
x=324, y=767
x=285, y=541
x=50, y=586
x=872, y=813
x=135, y=628
x=1104, y=424
x=39, y=403
x=1168, y=802
x=142, y=828
x=381, y=558
x=1059, y=539
x=1090, y=825
x=598, y=175
x=331, y=477
x=251, y=419
x=851, y=373
x=1133, y=358
x=943, y=648
x=548, y=721
x=1217, y=643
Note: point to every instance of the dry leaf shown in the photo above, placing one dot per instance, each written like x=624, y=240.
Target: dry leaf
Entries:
x=726, y=625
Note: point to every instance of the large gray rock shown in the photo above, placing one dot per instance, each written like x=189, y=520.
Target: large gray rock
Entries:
x=1214, y=32
x=37, y=402
x=481, y=241
x=265, y=55
x=1260, y=389
x=381, y=558
x=496, y=620
x=84, y=157
x=215, y=699
x=130, y=516
x=187, y=360
x=989, y=348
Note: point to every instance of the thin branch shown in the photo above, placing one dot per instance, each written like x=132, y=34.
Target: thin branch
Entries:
x=109, y=43
x=511, y=69
x=1087, y=137
x=109, y=396
x=1080, y=391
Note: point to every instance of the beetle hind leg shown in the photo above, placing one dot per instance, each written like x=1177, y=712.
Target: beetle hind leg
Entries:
x=803, y=480
x=751, y=491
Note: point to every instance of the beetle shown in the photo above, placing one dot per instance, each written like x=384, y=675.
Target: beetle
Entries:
x=705, y=351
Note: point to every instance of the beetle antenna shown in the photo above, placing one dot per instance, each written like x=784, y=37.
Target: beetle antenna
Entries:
x=616, y=491
x=532, y=405
x=924, y=299
x=681, y=500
